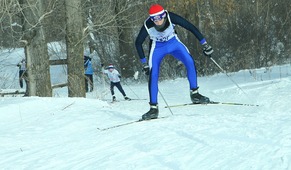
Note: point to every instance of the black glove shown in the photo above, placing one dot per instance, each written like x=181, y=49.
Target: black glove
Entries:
x=102, y=65
x=119, y=76
x=207, y=50
x=146, y=69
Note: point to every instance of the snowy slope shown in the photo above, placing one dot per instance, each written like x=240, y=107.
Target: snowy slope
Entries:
x=62, y=133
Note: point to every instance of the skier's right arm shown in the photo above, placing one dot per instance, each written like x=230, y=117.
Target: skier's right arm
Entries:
x=138, y=44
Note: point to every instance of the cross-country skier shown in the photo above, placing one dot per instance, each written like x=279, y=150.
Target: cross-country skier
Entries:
x=114, y=78
x=88, y=73
x=23, y=75
x=160, y=27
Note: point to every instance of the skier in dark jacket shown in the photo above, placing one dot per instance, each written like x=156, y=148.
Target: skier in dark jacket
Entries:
x=22, y=72
x=160, y=27
x=23, y=75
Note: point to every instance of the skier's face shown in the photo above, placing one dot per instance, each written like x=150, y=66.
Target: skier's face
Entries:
x=111, y=69
x=159, y=22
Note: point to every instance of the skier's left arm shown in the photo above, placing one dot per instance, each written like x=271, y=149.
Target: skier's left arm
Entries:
x=116, y=73
x=178, y=20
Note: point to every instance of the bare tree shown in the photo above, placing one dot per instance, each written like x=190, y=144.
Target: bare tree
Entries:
x=36, y=52
x=101, y=29
x=112, y=28
x=126, y=17
x=75, y=49
x=244, y=34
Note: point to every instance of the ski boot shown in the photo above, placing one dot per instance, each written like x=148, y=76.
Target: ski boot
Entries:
x=127, y=98
x=197, y=98
x=153, y=113
x=113, y=99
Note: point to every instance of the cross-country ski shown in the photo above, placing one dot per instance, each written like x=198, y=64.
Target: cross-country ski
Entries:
x=212, y=103
x=130, y=122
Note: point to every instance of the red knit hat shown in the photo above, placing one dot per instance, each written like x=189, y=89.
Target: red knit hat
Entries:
x=156, y=9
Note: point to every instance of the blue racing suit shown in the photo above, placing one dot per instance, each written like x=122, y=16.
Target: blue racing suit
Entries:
x=164, y=41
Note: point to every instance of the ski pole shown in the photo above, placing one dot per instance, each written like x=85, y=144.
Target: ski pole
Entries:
x=227, y=75
x=131, y=90
x=167, y=105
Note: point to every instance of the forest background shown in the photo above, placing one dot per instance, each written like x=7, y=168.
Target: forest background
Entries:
x=244, y=35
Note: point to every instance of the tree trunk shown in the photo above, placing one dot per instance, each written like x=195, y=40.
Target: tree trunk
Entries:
x=75, y=49
x=36, y=49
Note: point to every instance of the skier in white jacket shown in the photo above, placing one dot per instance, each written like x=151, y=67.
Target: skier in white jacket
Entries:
x=114, y=78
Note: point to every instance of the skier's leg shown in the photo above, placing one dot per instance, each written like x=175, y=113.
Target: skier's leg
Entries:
x=25, y=77
x=181, y=53
x=154, y=64
x=119, y=87
x=112, y=90
x=21, y=78
x=156, y=56
x=21, y=83
x=91, y=82
x=86, y=82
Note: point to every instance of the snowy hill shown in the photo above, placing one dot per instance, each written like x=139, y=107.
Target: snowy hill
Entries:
x=62, y=133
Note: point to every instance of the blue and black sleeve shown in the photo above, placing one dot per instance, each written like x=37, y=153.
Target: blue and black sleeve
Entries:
x=178, y=20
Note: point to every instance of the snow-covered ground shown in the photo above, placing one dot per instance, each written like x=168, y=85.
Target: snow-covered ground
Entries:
x=62, y=133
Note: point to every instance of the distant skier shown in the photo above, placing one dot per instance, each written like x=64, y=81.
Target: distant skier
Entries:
x=23, y=75
x=160, y=27
x=114, y=78
x=88, y=73
x=22, y=71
